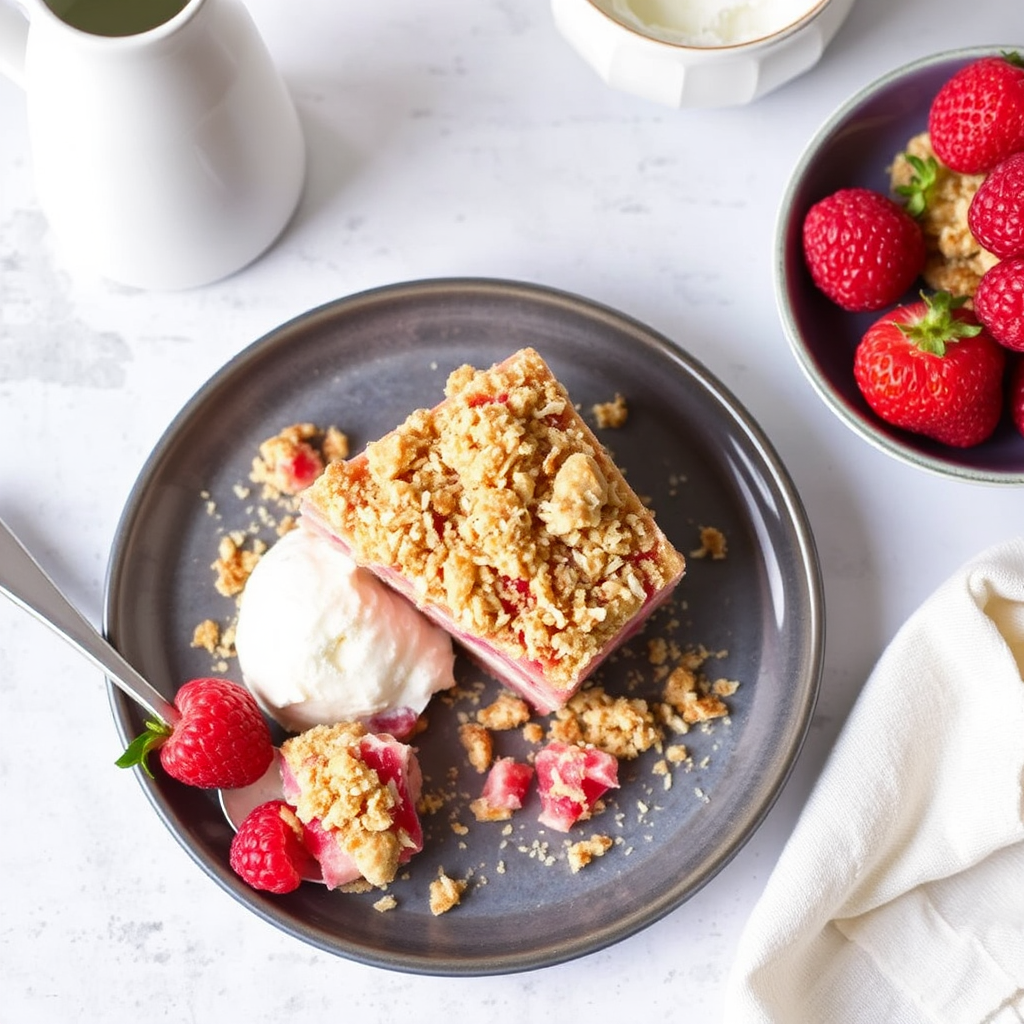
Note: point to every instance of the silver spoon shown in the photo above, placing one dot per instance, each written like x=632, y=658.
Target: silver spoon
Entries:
x=26, y=583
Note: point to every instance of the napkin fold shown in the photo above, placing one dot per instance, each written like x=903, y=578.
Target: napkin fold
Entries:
x=899, y=896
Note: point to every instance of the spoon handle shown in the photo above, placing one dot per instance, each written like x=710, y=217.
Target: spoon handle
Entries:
x=25, y=582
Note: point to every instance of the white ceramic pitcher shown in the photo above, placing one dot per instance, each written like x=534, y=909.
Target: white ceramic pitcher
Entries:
x=164, y=158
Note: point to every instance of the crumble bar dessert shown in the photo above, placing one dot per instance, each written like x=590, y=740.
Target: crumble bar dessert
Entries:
x=499, y=513
x=955, y=259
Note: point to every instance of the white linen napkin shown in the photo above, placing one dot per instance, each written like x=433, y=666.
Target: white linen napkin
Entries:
x=899, y=897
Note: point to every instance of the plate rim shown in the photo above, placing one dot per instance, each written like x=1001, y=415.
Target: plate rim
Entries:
x=771, y=469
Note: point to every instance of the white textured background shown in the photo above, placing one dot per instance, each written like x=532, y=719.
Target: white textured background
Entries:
x=445, y=138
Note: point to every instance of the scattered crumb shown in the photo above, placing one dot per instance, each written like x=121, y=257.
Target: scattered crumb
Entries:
x=507, y=712
x=533, y=732
x=611, y=415
x=478, y=745
x=620, y=726
x=582, y=853
x=335, y=445
x=712, y=543
x=684, y=692
x=234, y=563
x=207, y=635
x=445, y=893
x=385, y=903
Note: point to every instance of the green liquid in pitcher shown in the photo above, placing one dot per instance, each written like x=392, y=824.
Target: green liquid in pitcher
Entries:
x=115, y=17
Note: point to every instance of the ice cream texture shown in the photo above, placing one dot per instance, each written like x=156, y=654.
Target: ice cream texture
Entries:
x=320, y=641
x=710, y=22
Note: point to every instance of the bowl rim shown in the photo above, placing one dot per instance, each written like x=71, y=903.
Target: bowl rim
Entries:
x=901, y=450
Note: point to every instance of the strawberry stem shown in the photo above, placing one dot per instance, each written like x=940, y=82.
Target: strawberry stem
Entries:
x=938, y=327
x=918, y=189
x=138, y=750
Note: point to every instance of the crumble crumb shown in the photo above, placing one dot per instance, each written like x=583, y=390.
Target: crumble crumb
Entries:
x=712, y=543
x=335, y=445
x=621, y=726
x=676, y=753
x=684, y=693
x=506, y=712
x=385, y=903
x=611, y=415
x=445, y=893
x=478, y=745
x=582, y=853
x=235, y=563
x=533, y=732
x=207, y=636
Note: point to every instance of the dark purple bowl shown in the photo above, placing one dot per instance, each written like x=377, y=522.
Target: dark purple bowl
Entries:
x=855, y=147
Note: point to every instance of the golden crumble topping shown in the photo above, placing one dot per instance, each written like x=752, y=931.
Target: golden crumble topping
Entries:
x=501, y=508
x=445, y=893
x=611, y=415
x=385, y=903
x=955, y=260
x=347, y=796
x=582, y=853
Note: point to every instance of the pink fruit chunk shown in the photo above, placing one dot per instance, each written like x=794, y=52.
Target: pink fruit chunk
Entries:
x=571, y=779
x=504, y=790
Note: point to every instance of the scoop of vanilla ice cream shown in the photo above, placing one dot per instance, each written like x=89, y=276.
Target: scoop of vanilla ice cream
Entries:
x=320, y=640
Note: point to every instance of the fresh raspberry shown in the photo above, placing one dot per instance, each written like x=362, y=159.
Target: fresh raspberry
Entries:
x=220, y=740
x=996, y=213
x=999, y=302
x=977, y=118
x=863, y=250
x=930, y=368
x=267, y=850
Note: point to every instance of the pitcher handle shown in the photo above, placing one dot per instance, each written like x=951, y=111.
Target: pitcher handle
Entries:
x=13, y=39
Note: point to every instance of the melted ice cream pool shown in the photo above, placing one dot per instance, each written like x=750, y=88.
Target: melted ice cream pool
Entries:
x=710, y=22
x=320, y=641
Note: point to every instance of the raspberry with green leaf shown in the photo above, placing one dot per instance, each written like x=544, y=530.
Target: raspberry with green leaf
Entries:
x=219, y=741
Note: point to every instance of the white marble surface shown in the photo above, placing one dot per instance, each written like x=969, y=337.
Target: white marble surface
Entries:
x=444, y=139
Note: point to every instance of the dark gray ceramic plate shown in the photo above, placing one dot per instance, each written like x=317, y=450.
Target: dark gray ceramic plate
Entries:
x=854, y=147
x=363, y=363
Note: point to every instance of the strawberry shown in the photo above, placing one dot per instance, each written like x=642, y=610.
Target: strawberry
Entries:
x=1017, y=396
x=996, y=213
x=863, y=250
x=220, y=740
x=999, y=302
x=976, y=119
x=930, y=368
x=268, y=850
